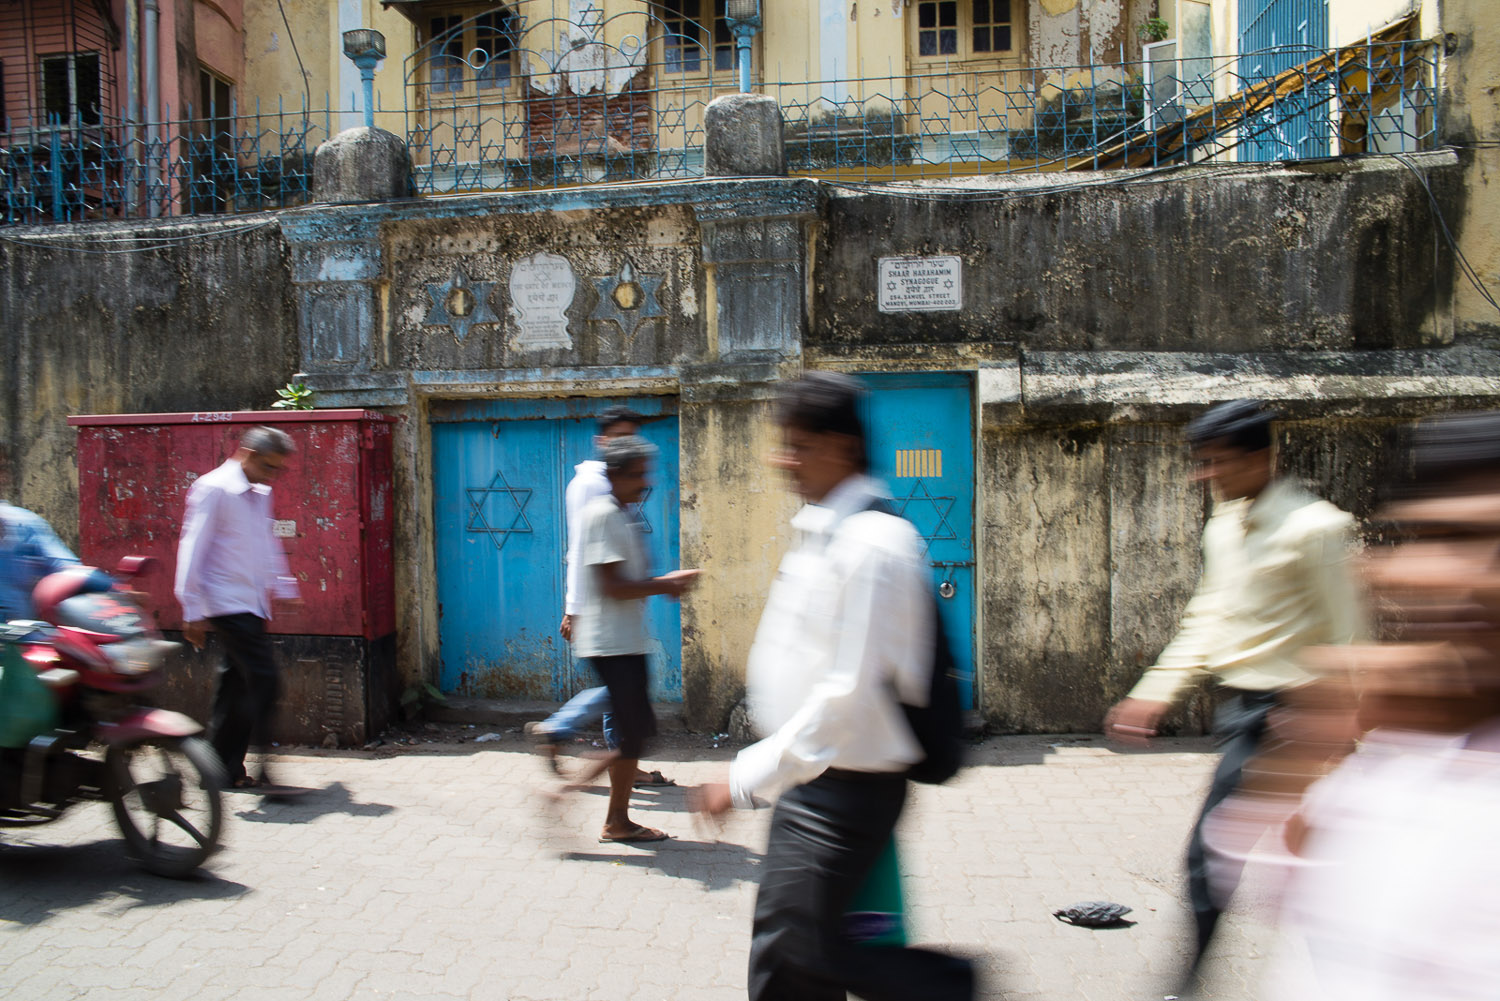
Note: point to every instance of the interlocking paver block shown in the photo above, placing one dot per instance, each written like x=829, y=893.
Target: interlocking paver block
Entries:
x=441, y=875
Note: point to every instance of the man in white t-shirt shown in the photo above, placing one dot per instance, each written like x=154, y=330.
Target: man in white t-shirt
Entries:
x=610, y=626
x=588, y=483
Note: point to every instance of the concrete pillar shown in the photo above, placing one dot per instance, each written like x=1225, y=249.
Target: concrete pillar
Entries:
x=362, y=165
x=743, y=137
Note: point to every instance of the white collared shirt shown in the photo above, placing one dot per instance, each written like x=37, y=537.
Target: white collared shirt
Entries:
x=846, y=637
x=228, y=559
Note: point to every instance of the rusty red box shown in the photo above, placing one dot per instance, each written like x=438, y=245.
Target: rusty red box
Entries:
x=332, y=506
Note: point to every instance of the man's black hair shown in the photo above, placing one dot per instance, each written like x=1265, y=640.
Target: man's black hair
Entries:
x=822, y=402
x=1244, y=425
x=618, y=415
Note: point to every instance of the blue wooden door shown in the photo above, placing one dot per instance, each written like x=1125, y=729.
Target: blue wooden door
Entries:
x=500, y=469
x=921, y=435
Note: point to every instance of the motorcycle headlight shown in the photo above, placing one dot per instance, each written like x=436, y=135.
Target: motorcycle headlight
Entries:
x=133, y=656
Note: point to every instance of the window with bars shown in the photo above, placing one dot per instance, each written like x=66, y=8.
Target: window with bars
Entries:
x=687, y=26
x=963, y=29
x=466, y=47
x=71, y=88
x=446, y=66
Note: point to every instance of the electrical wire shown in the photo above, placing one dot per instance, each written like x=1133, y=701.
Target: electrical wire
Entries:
x=301, y=70
x=161, y=243
x=1465, y=268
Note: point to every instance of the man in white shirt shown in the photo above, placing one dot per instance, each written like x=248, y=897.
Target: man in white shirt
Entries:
x=610, y=627
x=229, y=569
x=588, y=482
x=1277, y=579
x=845, y=639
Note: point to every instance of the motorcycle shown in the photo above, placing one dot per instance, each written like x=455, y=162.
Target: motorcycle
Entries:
x=96, y=653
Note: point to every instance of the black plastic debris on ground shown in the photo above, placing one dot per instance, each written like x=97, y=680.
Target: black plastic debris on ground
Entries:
x=1095, y=914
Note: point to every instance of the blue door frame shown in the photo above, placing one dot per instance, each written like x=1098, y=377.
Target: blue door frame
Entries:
x=500, y=468
x=921, y=442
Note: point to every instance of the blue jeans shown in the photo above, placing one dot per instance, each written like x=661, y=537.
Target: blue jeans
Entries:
x=578, y=712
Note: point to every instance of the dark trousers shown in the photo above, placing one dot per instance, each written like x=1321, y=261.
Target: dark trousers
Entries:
x=246, y=690
x=825, y=838
x=1240, y=727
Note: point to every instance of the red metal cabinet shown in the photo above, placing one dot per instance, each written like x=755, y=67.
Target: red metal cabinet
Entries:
x=333, y=506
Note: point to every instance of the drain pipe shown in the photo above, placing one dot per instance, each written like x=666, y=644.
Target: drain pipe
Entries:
x=151, y=28
x=132, y=101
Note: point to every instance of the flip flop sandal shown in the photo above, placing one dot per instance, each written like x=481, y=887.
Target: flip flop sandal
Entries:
x=639, y=835
x=653, y=778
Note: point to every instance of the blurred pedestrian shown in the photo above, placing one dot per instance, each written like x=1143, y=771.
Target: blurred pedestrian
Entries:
x=846, y=638
x=1398, y=899
x=29, y=551
x=589, y=481
x=610, y=625
x=1277, y=579
x=230, y=568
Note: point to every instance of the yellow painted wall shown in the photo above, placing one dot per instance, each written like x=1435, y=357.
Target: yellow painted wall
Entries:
x=1472, y=114
x=271, y=69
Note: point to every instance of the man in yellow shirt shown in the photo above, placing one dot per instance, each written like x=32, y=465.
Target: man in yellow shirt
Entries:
x=1277, y=579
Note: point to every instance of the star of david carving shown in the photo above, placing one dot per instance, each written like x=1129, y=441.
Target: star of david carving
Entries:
x=459, y=304
x=941, y=506
x=622, y=285
x=519, y=497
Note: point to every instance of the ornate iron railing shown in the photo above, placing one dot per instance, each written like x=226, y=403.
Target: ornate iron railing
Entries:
x=609, y=113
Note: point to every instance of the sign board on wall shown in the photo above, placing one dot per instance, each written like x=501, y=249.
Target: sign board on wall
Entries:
x=921, y=284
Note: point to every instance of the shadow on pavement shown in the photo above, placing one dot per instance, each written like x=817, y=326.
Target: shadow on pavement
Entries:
x=39, y=882
x=716, y=864
x=297, y=808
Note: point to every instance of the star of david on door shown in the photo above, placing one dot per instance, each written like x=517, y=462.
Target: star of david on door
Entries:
x=490, y=507
x=639, y=507
x=928, y=513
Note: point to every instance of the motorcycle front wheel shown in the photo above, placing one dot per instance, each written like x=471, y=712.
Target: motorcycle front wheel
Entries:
x=166, y=794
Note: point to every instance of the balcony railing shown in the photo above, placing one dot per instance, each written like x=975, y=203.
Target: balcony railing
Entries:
x=1376, y=97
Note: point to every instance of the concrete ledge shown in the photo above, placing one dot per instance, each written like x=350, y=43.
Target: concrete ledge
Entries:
x=1128, y=385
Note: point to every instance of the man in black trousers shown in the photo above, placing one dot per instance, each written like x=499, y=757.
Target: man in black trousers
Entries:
x=845, y=639
x=230, y=567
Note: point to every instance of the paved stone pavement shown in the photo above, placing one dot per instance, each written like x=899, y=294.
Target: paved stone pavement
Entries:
x=436, y=874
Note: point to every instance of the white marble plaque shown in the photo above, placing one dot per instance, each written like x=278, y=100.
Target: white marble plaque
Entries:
x=921, y=284
x=541, y=290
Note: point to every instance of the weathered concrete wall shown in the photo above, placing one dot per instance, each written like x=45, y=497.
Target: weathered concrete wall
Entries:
x=126, y=319
x=1327, y=256
x=735, y=510
x=1095, y=321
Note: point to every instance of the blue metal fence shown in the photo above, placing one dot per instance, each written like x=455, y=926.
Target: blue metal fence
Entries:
x=223, y=162
x=482, y=130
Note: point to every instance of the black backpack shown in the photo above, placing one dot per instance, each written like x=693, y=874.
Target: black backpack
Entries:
x=939, y=724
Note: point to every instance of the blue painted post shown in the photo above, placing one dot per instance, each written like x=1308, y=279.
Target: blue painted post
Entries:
x=57, y=167
x=744, y=21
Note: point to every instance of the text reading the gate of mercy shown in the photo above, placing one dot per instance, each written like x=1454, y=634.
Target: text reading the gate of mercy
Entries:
x=920, y=284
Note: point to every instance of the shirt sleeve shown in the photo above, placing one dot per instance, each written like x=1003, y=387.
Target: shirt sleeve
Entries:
x=192, y=550
x=1335, y=581
x=602, y=541
x=883, y=630
x=49, y=549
